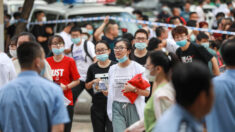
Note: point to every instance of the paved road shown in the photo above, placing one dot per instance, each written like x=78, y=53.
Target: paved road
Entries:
x=81, y=127
x=81, y=123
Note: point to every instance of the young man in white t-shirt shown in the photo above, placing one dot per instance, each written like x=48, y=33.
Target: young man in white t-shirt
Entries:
x=83, y=52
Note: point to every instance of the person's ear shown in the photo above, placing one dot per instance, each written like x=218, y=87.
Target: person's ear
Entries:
x=37, y=63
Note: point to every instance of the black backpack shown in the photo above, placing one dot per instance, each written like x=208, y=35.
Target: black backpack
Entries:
x=85, y=49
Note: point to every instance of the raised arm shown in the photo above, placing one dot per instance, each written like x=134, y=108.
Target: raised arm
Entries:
x=99, y=30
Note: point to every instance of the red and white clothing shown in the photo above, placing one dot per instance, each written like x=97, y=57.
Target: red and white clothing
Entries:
x=64, y=72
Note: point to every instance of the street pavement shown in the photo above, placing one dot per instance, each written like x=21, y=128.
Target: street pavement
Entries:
x=81, y=123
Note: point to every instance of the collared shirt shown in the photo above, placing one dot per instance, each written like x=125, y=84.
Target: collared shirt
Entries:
x=222, y=116
x=7, y=70
x=177, y=119
x=31, y=103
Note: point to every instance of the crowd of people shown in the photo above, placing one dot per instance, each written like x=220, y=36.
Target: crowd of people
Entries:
x=190, y=75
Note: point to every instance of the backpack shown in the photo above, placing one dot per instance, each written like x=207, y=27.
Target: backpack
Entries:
x=85, y=49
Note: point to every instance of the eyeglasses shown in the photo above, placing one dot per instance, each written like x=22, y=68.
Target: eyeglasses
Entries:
x=140, y=39
x=57, y=44
x=101, y=51
x=119, y=48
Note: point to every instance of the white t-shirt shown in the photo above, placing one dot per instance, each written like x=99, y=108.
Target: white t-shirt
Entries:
x=171, y=45
x=67, y=39
x=117, y=78
x=80, y=56
x=7, y=70
x=200, y=13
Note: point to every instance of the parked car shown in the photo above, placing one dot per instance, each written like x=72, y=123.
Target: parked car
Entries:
x=60, y=11
x=12, y=6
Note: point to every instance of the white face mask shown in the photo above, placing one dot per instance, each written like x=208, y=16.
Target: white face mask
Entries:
x=149, y=76
x=44, y=19
x=13, y=53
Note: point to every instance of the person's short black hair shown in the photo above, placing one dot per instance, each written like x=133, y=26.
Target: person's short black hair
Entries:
x=153, y=44
x=128, y=36
x=103, y=42
x=191, y=13
x=172, y=19
x=191, y=23
x=160, y=30
x=145, y=18
x=60, y=39
x=201, y=36
x=30, y=35
x=179, y=30
x=164, y=59
x=76, y=29
x=189, y=80
x=127, y=43
x=220, y=14
x=39, y=12
x=16, y=15
x=141, y=31
x=8, y=16
x=227, y=52
x=137, y=12
x=214, y=44
x=200, y=2
x=28, y=52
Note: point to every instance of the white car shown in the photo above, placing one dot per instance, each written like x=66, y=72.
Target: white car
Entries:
x=13, y=5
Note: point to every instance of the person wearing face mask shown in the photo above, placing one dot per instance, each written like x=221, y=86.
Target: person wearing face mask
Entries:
x=83, y=52
x=12, y=48
x=97, y=75
x=42, y=32
x=140, y=43
x=64, y=73
x=189, y=52
x=36, y=103
x=120, y=110
x=28, y=37
x=159, y=64
x=203, y=40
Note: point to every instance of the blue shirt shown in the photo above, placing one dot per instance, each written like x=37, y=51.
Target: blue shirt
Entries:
x=177, y=119
x=31, y=103
x=222, y=116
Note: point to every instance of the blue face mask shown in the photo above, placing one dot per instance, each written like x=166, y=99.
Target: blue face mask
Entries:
x=140, y=46
x=76, y=40
x=123, y=59
x=58, y=51
x=206, y=45
x=192, y=38
x=42, y=72
x=181, y=43
x=140, y=26
x=102, y=57
x=90, y=32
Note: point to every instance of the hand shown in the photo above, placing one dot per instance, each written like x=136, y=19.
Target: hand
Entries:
x=96, y=81
x=128, y=88
x=106, y=20
x=49, y=30
x=105, y=92
x=63, y=86
x=127, y=130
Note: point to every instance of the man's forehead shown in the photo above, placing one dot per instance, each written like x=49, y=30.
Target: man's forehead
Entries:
x=23, y=38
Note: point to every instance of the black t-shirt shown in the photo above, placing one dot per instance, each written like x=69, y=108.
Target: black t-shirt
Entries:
x=141, y=60
x=111, y=45
x=40, y=30
x=94, y=72
x=11, y=30
x=194, y=52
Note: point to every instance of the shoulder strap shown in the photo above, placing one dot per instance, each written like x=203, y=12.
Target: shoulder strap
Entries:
x=86, y=51
x=72, y=49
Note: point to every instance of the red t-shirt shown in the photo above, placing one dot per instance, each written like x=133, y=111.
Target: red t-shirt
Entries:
x=64, y=72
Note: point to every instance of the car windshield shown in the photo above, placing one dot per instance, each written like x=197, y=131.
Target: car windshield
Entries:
x=131, y=27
